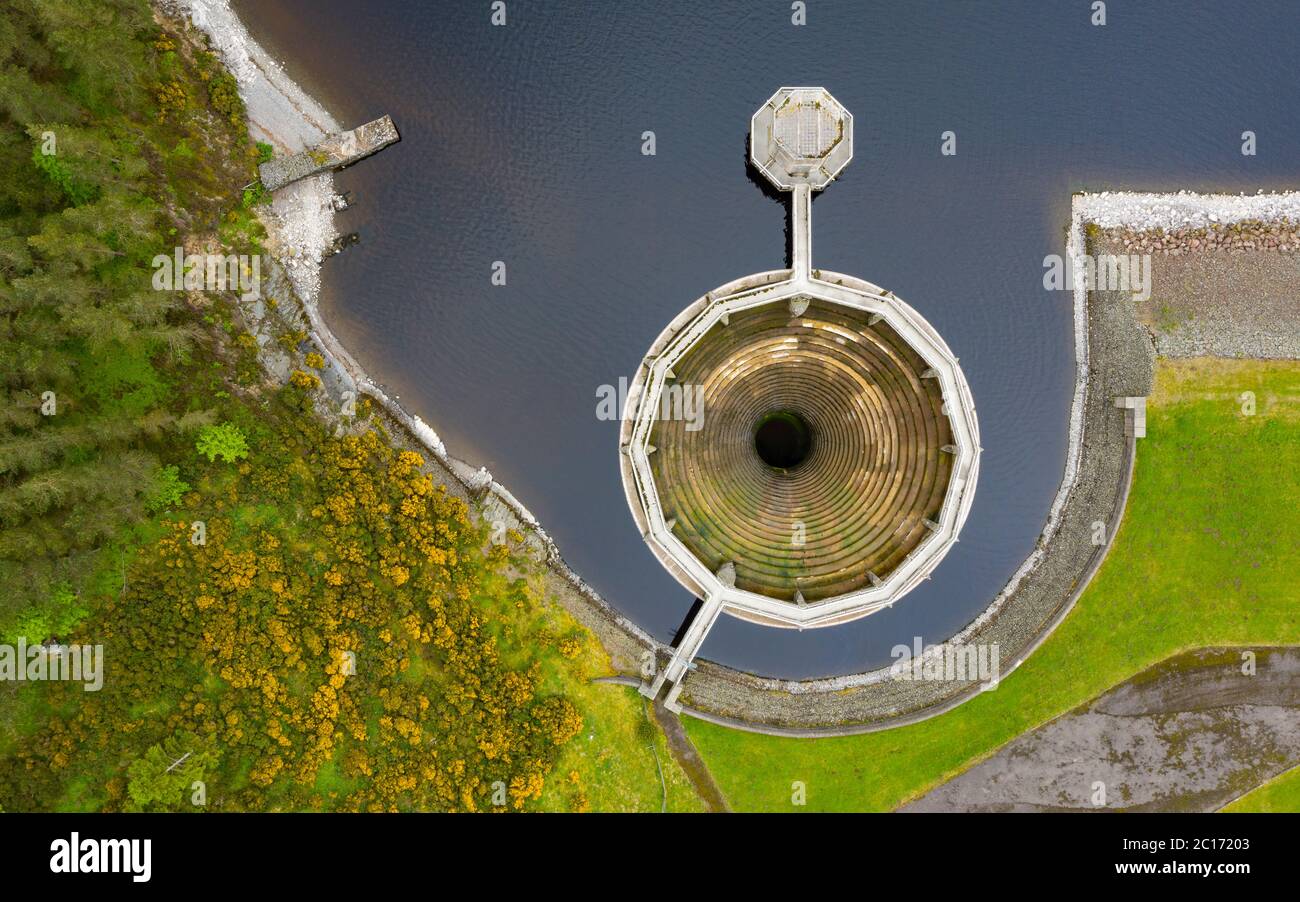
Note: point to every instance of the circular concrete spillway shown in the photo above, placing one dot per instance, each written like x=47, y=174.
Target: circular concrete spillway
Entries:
x=845, y=398
x=799, y=447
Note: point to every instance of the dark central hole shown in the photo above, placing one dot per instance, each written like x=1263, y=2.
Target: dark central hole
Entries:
x=782, y=440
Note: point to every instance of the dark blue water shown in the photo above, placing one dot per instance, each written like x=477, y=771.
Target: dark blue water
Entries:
x=522, y=144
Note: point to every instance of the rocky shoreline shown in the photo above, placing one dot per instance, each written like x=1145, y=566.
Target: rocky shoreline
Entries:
x=1236, y=238
x=301, y=232
x=301, y=216
x=1219, y=303
x=1224, y=269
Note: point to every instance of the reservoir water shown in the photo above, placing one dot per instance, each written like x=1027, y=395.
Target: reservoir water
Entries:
x=523, y=144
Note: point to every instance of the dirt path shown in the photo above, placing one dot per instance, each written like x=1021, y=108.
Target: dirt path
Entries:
x=689, y=760
x=1190, y=734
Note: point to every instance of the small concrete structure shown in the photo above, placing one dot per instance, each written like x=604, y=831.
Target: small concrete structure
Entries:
x=335, y=152
x=1135, y=423
x=888, y=473
x=801, y=136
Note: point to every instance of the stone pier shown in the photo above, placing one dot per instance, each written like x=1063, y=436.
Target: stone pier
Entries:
x=335, y=152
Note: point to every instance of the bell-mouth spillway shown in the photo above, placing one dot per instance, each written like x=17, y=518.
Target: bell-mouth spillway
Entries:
x=799, y=447
x=867, y=445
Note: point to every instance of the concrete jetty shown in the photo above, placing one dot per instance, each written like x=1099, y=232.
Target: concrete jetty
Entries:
x=335, y=152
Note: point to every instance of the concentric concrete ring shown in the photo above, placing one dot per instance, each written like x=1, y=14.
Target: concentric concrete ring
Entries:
x=881, y=497
x=876, y=475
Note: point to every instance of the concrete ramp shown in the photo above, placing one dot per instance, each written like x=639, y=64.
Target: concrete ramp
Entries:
x=335, y=152
x=1189, y=734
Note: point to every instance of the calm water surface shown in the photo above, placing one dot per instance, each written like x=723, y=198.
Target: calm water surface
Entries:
x=522, y=144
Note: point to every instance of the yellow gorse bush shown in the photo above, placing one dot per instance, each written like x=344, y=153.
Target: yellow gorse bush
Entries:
x=291, y=647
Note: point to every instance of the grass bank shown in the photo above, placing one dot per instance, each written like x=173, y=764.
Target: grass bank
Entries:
x=1281, y=794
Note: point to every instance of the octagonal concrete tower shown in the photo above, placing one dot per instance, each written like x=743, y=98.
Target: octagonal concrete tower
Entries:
x=800, y=447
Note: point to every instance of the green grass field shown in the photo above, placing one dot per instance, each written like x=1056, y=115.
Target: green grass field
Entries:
x=1281, y=794
x=1206, y=556
x=621, y=757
